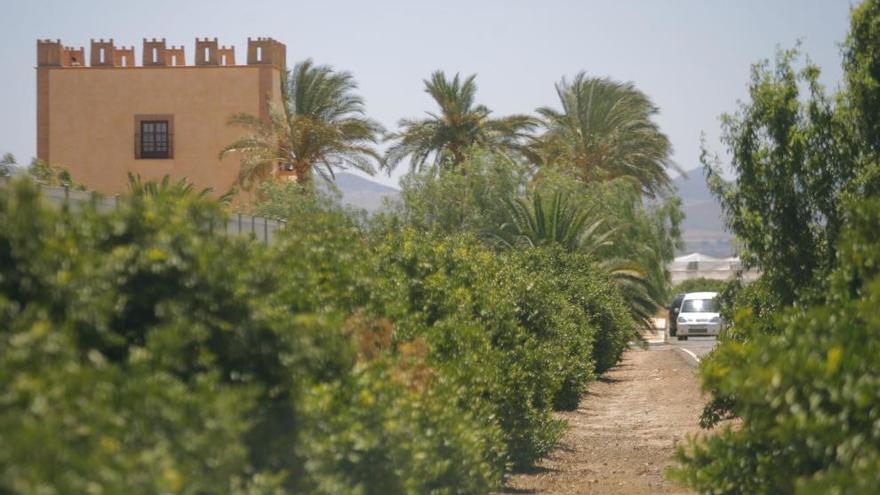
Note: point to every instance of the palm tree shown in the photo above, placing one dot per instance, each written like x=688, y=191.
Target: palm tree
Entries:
x=573, y=227
x=321, y=127
x=605, y=131
x=460, y=124
x=532, y=225
x=166, y=187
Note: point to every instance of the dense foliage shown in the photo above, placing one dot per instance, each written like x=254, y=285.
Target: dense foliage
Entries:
x=807, y=395
x=795, y=164
x=799, y=370
x=145, y=354
x=473, y=200
x=500, y=201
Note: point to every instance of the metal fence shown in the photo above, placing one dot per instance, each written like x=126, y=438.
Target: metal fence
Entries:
x=239, y=224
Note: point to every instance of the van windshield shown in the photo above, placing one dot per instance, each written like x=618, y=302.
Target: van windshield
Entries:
x=699, y=306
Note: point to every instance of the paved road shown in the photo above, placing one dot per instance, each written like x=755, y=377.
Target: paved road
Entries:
x=694, y=348
x=698, y=345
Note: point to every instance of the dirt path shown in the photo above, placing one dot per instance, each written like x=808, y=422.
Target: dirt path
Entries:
x=622, y=435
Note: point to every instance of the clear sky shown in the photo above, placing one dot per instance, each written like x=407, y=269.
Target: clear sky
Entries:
x=691, y=57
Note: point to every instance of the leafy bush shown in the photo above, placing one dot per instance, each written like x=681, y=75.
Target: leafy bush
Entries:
x=109, y=335
x=7, y=165
x=799, y=368
x=456, y=295
x=383, y=431
x=472, y=199
x=807, y=393
x=576, y=278
x=146, y=354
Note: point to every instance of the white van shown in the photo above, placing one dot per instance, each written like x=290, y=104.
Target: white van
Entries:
x=698, y=315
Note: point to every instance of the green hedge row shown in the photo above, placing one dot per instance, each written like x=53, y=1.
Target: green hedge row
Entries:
x=806, y=387
x=140, y=353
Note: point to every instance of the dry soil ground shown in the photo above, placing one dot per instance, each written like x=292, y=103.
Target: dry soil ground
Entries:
x=621, y=437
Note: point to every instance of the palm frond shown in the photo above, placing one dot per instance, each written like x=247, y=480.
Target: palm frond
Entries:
x=537, y=220
x=605, y=130
x=443, y=137
x=321, y=128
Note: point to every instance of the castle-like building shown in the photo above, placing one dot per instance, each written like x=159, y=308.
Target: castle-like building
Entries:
x=111, y=116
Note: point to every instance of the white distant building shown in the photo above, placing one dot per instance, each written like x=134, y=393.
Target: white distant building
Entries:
x=697, y=265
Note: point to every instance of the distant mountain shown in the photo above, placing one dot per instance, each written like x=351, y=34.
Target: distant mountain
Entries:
x=693, y=186
x=361, y=192
x=703, y=226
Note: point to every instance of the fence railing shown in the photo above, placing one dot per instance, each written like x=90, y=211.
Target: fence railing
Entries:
x=239, y=224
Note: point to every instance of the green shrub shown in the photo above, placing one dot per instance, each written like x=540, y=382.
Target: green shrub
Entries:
x=577, y=279
x=144, y=353
x=806, y=393
x=388, y=430
x=469, y=199
x=455, y=294
x=109, y=335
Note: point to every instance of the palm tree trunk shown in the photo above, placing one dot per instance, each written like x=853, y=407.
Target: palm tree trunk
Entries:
x=457, y=156
x=303, y=171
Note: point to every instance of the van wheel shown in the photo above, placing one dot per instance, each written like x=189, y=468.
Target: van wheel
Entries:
x=682, y=337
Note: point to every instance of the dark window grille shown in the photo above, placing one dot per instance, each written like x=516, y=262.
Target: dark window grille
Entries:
x=154, y=140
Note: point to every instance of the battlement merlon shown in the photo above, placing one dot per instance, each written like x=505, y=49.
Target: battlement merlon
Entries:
x=174, y=56
x=206, y=51
x=154, y=53
x=226, y=55
x=103, y=53
x=267, y=51
x=123, y=56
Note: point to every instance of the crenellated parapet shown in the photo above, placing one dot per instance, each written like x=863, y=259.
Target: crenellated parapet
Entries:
x=174, y=56
x=206, y=51
x=123, y=56
x=266, y=51
x=73, y=57
x=103, y=53
x=51, y=53
x=155, y=53
x=226, y=55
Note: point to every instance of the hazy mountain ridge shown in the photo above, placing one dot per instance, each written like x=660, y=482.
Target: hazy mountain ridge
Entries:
x=703, y=226
x=361, y=192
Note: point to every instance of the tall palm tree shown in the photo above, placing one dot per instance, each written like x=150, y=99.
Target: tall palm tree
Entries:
x=605, y=131
x=445, y=137
x=321, y=127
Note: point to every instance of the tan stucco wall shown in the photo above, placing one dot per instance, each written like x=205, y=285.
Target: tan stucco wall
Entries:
x=91, y=120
